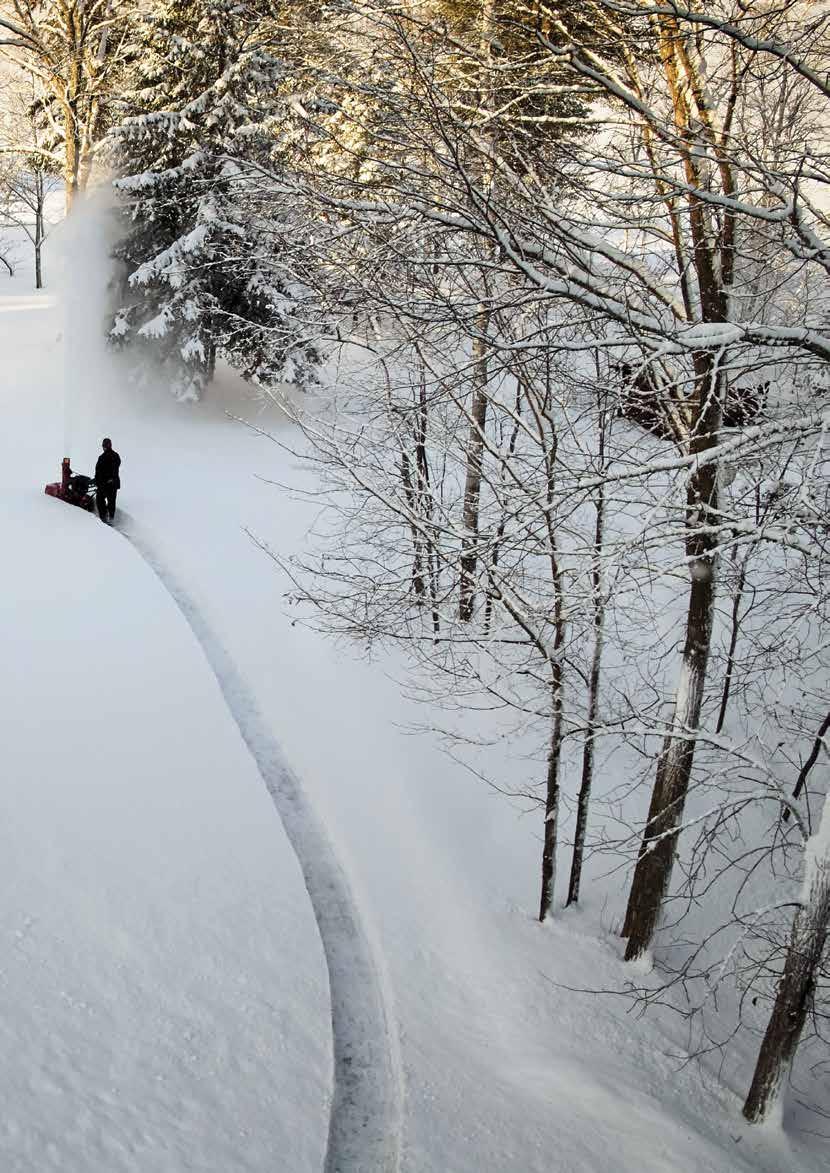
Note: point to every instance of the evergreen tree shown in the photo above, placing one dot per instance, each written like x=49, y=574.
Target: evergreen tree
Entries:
x=204, y=248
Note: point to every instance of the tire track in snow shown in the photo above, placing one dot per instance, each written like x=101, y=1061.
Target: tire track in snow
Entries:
x=365, y=1124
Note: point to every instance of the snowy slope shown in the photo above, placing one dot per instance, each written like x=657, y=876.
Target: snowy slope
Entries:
x=504, y=1068
x=163, y=998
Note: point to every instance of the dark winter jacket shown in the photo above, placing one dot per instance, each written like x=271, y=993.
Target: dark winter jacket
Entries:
x=106, y=469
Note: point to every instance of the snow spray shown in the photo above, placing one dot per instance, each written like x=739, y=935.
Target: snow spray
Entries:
x=87, y=367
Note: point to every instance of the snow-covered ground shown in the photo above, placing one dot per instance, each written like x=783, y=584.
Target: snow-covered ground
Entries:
x=159, y=959
x=164, y=992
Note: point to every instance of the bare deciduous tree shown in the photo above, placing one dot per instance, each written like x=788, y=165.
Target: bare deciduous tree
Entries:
x=73, y=51
x=27, y=179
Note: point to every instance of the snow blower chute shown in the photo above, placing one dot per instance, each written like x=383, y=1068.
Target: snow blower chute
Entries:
x=73, y=488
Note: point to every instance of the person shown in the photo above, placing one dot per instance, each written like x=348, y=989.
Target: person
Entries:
x=107, y=480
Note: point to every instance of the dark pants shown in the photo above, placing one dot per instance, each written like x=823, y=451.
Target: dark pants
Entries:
x=105, y=500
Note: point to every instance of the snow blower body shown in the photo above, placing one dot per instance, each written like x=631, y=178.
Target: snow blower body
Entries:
x=73, y=488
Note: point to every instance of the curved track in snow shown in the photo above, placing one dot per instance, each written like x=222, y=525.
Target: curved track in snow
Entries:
x=365, y=1125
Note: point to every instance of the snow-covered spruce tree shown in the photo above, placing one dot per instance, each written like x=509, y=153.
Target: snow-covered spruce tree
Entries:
x=205, y=271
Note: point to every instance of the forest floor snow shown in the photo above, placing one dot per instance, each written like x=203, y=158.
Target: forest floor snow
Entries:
x=163, y=989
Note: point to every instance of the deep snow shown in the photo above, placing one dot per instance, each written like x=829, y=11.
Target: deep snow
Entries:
x=163, y=985
x=366, y=1112
x=158, y=955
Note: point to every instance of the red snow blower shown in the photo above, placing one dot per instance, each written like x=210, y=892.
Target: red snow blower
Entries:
x=73, y=488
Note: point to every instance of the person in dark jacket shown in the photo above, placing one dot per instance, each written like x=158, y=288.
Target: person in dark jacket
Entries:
x=107, y=480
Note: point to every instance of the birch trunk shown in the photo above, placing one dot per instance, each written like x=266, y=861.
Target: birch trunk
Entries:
x=480, y=355
x=552, y=788
x=552, y=793
x=475, y=456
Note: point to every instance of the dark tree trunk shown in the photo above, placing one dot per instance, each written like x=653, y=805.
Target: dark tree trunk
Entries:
x=425, y=500
x=652, y=875
x=38, y=268
x=502, y=526
x=586, y=781
x=712, y=259
x=812, y=758
x=733, y=643
x=543, y=420
x=210, y=359
x=584, y=799
x=795, y=990
x=39, y=232
x=418, y=579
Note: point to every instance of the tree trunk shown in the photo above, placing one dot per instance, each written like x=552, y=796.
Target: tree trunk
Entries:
x=552, y=794
x=423, y=482
x=71, y=161
x=652, y=874
x=475, y=454
x=502, y=526
x=38, y=269
x=543, y=417
x=584, y=799
x=733, y=643
x=418, y=577
x=795, y=990
x=712, y=260
x=812, y=758
x=39, y=233
x=481, y=341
